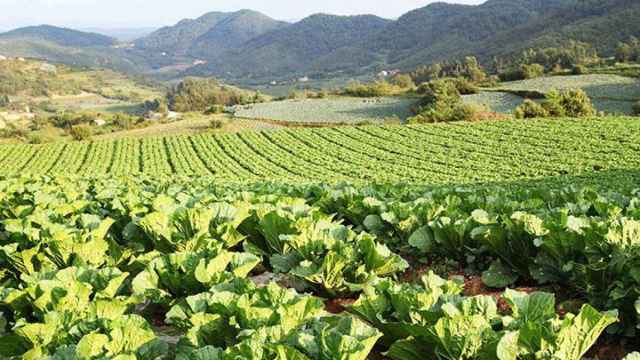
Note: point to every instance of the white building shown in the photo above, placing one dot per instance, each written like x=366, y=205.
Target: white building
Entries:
x=3, y=58
x=99, y=122
x=304, y=79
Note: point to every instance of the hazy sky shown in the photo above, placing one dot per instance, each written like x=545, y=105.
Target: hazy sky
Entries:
x=145, y=13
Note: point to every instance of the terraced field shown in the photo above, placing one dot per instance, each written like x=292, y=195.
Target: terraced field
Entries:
x=332, y=110
x=610, y=93
x=431, y=154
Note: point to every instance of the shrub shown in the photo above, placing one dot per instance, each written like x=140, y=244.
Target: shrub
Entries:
x=442, y=103
x=531, y=71
x=376, y=89
x=13, y=130
x=466, y=87
x=438, y=90
x=574, y=102
x=530, y=109
x=636, y=108
x=215, y=109
x=80, y=132
x=216, y=124
x=198, y=95
x=579, y=70
x=403, y=81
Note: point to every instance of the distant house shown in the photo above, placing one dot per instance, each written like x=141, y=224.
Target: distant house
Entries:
x=383, y=74
x=199, y=62
x=21, y=59
x=3, y=58
x=274, y=83
x=172, y=115
x=99, y=122
x=304, y=79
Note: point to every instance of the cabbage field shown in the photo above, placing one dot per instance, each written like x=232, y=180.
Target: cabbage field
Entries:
x=105, y=268
x=456, y=153
x=612, y=94
x=499, y=240
x=340, y=110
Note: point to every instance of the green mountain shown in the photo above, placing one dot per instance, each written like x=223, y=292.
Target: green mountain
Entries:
x=504, y=27
x=233, y=31
x=208, y=35
x=70, y=47
x=300, y=47
x=247, y=46
x=59, y=36
x=177, y=39
x=325, y=44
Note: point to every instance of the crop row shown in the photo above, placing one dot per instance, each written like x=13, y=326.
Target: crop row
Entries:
x=96, y=268
x=432, y=154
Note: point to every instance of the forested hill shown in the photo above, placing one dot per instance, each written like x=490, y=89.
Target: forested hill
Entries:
x=59, y=36
x=250, y=45
x=209, y=35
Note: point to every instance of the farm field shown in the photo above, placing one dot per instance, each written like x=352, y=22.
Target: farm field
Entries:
x=331, y=110
x=123, y=262
x=193, y=124
x=500, y=102
x=612, y=94
x=422, y=154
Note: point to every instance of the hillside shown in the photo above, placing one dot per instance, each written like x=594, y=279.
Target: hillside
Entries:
x=247, y=45
x=208, y=35
x=58, y=36
x=300, y=47
x=440, y=31
x=233, y=31
x=70, y=47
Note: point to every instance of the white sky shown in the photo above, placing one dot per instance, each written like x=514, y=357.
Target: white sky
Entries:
x=151, y=13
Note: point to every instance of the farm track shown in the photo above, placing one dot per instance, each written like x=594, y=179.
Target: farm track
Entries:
x=435, y=154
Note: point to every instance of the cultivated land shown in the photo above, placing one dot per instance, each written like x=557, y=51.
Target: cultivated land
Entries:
x=340, y=110
x=427, y=154
x=500, y=102
x=611, y=94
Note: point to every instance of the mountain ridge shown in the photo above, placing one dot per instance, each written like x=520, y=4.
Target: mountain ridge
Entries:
x=250, y=45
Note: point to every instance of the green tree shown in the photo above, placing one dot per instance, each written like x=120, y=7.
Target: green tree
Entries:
x=404, y=81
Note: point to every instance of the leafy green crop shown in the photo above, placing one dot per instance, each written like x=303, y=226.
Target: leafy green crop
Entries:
x=434, y=321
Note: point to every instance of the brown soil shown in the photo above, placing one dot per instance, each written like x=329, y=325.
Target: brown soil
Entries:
x=337, y=306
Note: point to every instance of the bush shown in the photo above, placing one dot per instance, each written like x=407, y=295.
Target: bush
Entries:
x=376, y=89
x=579, y=70
x=215, y=109
x=530, y=109
x=531, y=71
x=442, y=103
x=574, y=102
x=216, y=124
x=403, y=81
x=198, y=95
x=81, y=132
x=466, y=87
x=13, y=130
x=636, y=108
